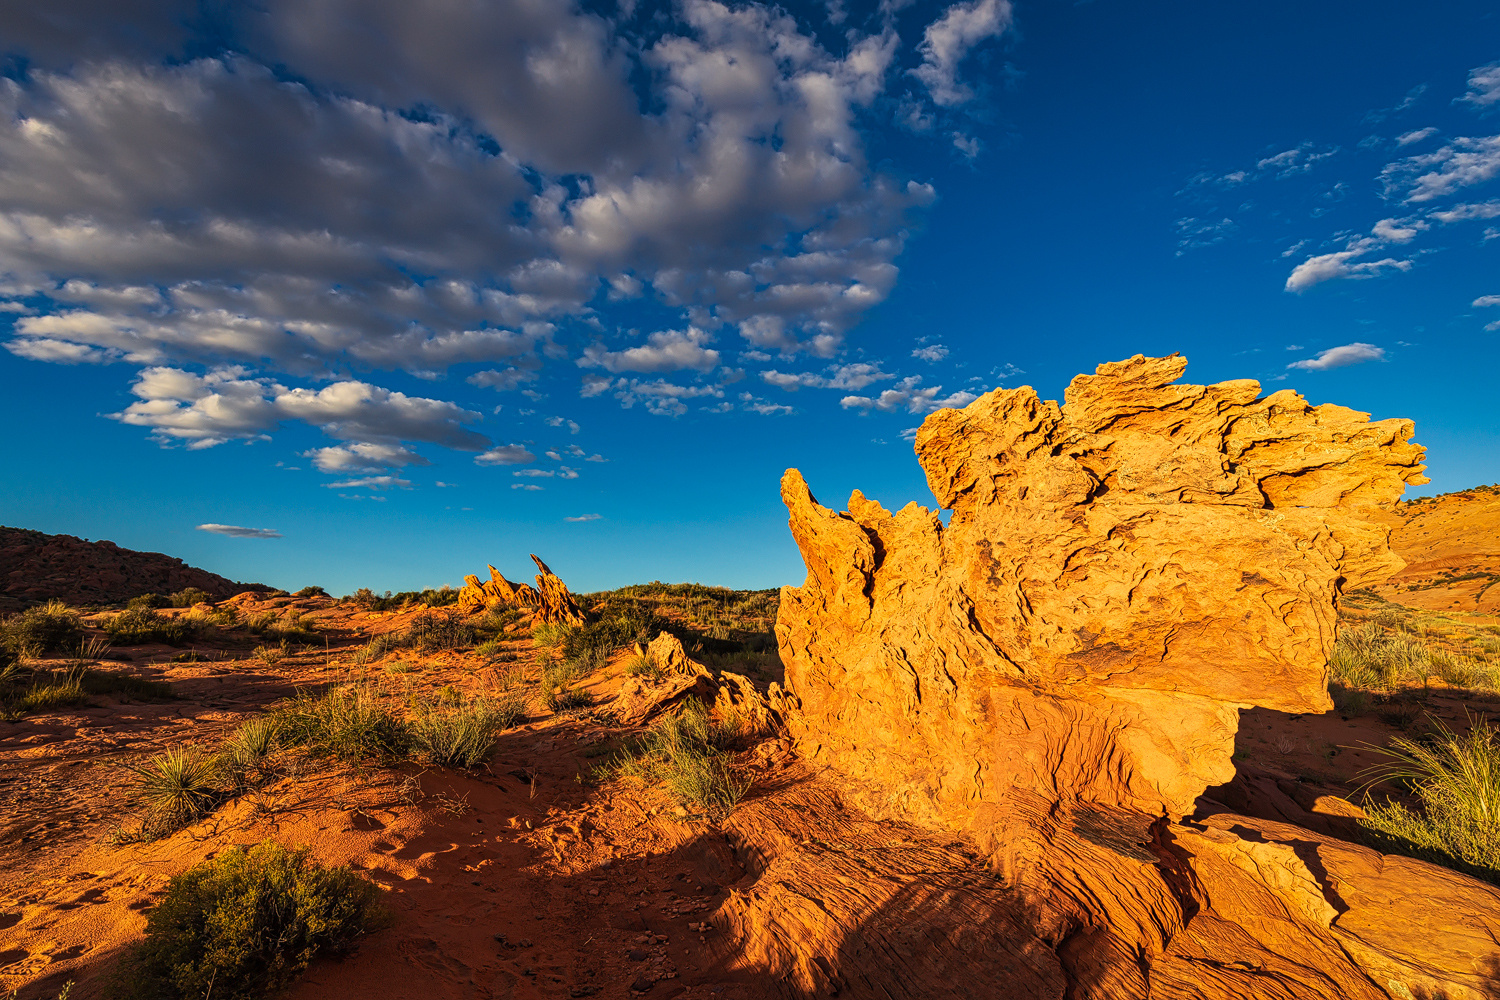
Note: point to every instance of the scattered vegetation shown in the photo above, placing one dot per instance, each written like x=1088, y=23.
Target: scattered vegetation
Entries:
x=1456, y=783
x=244, y=759
x=24, y=689
x=312, y=592
x=432, y=632
x=641, y=665
x=690, y=751
x=439, y=597
x=150, y=602
x=247, y=923
x=43, y=628
x=139, y=626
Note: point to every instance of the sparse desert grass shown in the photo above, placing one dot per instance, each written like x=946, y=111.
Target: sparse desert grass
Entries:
x=269, y=655
x=462, y=735
x=398, y=667
x=550, y=636
x=689, y=751
x=177, y=789
x=41, y=629
x=25, y=690
x=376, y=648
x=139, y=626
x=1385, y=647
x=349, y=722
x=245, y=757
x=566, y=699
x=244, y=925
x=641, y=665
x=438, y=631
x=1456, y=781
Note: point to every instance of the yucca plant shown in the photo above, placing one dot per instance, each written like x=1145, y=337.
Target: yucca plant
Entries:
x=177, y=789
x=245, y=757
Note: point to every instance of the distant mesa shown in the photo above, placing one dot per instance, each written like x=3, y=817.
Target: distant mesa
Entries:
x=549, y=601
x=39, y=567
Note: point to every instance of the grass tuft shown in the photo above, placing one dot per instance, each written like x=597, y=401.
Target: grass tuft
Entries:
x=348, y=722
x=463, y=735
x=139, y=626
x=690, y=752
x=1456, y=780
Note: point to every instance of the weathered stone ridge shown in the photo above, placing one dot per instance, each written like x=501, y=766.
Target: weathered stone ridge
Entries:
x=549, y=601
x=1119, y=577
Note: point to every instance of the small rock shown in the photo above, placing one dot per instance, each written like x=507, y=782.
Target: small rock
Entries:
x=636, y=955
x=642, y=985
x=524, y=943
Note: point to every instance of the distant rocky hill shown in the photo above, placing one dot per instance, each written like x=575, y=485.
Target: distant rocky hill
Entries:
x=1451, y=544
x=38, y=567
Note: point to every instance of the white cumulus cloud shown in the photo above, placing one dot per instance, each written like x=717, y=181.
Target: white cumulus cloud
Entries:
x=1340, y=357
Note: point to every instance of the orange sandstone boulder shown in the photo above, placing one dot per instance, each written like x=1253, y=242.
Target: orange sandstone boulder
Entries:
x=1120, y=576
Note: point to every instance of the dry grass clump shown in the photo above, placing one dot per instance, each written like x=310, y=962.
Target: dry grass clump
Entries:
x=462, y=735
x=1456, y=780
x=690, y=752
x=641, y=665
x=139, y=626
x=351, y=723
x=43, y=628
x=244, y=925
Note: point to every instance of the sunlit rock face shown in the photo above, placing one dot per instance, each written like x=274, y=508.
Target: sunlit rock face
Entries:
x=1120, y=575
x=549, y=601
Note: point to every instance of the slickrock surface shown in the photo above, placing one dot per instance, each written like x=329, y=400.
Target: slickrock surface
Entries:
x=38, y=567
x=1057, y=676
x=549, y=600
x=1451, y=544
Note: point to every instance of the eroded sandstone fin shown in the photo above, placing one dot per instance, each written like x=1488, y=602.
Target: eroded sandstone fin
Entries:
x=550, y=601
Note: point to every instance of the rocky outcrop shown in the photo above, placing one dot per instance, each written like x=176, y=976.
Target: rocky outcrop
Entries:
x=1119, y=577
x=38, y=567
x=1056, y=674
x=549, y=601
x=679, y=676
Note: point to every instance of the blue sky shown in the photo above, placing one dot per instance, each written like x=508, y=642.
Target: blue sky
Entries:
x=419, y=287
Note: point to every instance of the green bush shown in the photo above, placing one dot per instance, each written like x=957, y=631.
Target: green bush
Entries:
x=348, y=722
x=150, y=602
x=192, y=595
x=40, y=629
x=244, y=925
x=1456, y=779
x=312, y=592
x=463, y=736
x=139, y=626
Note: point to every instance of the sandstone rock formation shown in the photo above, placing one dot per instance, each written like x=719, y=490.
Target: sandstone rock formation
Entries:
x=1057, y=672
x=643, y=698
x=549, y=601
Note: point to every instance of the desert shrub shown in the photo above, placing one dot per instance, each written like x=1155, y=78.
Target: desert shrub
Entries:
x=464, y=735
x=642, y=665
x=176, y=788
x=364, y=597
x=138, y=626
x=1369, y=658
x=189, y=596
x=151, y=602
x=688, y=751
x=398, y=667
x=41, y=629
x=28, y=691
x=244, y=925
x=616, y=625
x=433, y=597
x=432, y=632
x=287, y=628
x=312, y=592
x=348, y=722
x=1456, y=780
